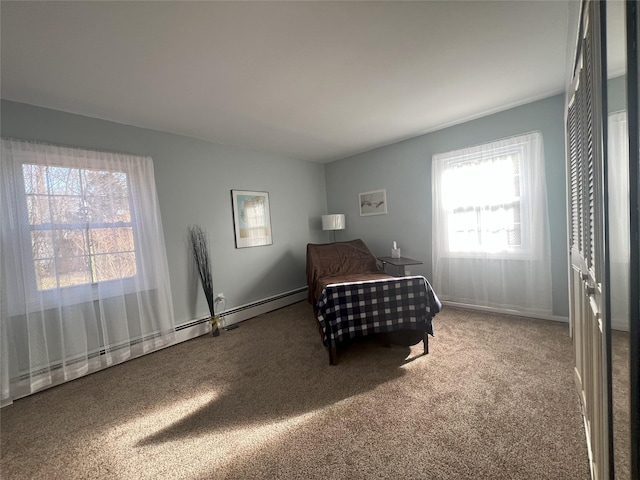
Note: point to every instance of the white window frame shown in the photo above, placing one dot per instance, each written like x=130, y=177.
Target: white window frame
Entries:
x=489, y=151
x=75, y=293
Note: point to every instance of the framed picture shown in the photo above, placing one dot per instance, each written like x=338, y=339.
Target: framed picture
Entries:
x=372, y=203
x=251, y=218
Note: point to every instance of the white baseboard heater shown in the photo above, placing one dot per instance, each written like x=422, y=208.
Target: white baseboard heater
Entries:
x=234, y=315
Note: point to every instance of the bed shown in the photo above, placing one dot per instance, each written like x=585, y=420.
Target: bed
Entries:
x=353, y=297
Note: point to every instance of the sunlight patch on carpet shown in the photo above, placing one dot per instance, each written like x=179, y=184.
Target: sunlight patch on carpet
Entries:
x=131, y=457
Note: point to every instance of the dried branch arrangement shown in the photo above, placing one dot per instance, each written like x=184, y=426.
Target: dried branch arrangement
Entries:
x=200, y=247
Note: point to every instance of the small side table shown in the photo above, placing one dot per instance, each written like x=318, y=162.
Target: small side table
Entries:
x=397, y=265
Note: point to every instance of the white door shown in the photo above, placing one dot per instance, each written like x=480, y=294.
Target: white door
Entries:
x=587, y=241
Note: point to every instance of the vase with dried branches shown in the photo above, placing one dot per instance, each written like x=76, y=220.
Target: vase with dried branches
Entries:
x=200, y=247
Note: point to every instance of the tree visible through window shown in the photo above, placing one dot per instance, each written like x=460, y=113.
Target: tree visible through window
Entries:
x=80, y=225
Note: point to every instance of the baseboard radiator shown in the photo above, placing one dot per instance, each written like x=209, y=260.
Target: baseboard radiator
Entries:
x=238, y=314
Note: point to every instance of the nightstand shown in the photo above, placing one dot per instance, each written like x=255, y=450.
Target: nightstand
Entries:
x=396, y=266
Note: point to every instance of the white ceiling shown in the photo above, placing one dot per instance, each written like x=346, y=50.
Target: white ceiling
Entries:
x=310, y=80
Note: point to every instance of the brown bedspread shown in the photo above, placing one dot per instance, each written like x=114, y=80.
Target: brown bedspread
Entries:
x=339, y=262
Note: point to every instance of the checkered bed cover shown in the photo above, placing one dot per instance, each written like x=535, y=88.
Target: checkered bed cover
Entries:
x=349, y=310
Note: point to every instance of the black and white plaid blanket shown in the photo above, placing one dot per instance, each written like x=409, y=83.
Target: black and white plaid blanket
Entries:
x=349, y=310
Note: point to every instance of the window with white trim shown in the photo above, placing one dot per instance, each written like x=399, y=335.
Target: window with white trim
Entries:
x=483, y=200
x=80, y=225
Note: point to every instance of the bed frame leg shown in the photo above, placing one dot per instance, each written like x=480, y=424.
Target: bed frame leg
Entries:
x=333, y=355
x=425, y=340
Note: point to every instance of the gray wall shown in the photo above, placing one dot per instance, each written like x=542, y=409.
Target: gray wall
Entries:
x=193, y=180
x=404, y=170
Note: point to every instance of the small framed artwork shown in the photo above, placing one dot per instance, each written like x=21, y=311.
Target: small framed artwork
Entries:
x=251, y=218
x=373, y=203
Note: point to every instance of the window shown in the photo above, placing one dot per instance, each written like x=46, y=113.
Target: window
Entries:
x=490, y=239
x=80, y=225
x=85, y=279
x=483, y=198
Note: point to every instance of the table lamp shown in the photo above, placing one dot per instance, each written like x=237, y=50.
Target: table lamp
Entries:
x=334, y=221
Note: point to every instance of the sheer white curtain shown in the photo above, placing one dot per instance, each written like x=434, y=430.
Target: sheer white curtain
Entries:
x=491, y=226
x=618, y=173
x=85, y=281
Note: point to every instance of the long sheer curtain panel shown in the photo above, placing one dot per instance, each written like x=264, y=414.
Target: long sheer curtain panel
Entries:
x=491, y=226
x=618, y=178
x=85, y=281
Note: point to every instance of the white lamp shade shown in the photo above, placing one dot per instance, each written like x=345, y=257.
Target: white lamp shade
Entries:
x=333, y=222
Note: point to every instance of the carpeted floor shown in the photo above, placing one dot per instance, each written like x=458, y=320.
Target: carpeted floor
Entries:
x=494, y=399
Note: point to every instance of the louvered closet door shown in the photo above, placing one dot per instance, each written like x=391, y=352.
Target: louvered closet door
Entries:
x=587, y=242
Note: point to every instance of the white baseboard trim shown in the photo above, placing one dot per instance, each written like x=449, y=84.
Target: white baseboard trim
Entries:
x=196, y=328
x=507, y=311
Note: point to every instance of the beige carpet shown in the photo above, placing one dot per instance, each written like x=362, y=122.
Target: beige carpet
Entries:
x=494, y=399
